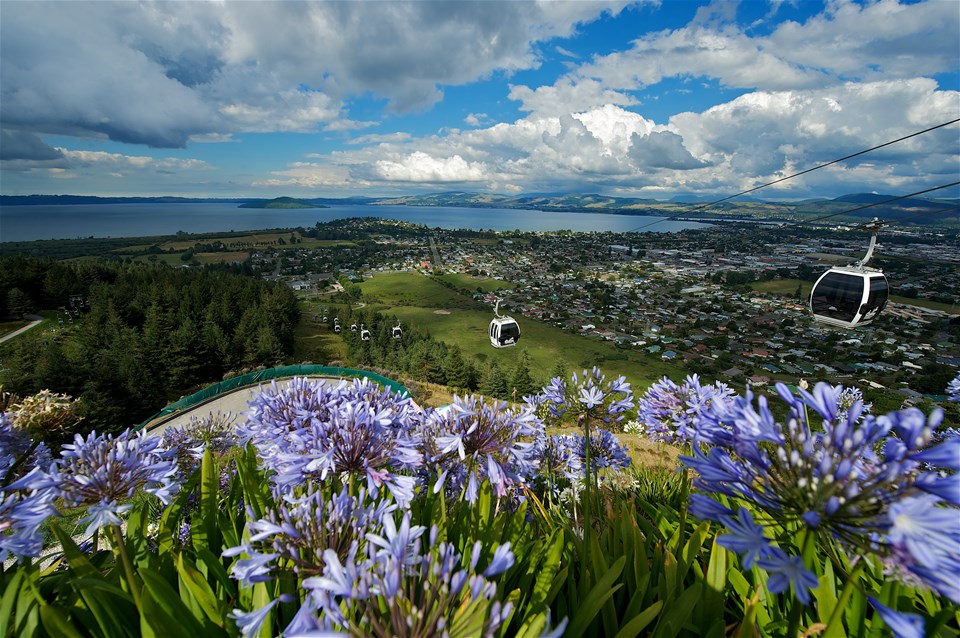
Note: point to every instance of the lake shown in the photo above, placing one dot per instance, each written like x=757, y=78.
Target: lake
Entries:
x=26, y=223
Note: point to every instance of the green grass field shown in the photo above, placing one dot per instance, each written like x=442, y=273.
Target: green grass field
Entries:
x=456, y=319
x=467, y=282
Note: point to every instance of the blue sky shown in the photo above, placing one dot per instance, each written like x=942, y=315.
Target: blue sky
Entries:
x=633, y=99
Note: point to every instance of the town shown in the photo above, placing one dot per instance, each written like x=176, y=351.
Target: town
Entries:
x=729, y=301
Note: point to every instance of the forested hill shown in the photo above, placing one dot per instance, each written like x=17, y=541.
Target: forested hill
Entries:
x=145, y=334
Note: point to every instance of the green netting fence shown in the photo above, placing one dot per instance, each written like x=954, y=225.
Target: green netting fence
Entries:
x=259, y=376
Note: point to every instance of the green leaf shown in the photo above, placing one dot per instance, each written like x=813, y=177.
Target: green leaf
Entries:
x=57, y=622
x=111, y=607
x=79, y=564
x=215, y=568
x=533, y=627
x=163, y=610
x=591, y=604
x=546, y=573
x=716, y=580
x=826, y=593
x=679, y=613
x=11, y=593
x=206, y=529
x=639, y=622
x=199, y=589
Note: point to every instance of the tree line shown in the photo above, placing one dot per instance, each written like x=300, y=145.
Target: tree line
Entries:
x=146, y=334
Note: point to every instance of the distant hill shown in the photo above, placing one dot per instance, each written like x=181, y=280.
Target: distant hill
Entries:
x=70, y=200
x=280, y=202
x=684, y=204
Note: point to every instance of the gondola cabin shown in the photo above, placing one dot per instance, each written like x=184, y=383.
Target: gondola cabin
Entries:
x=336, y=328
x=364, y=333
x=353, y=327
x=397, y=332
x=504, y=331
x=848, y=297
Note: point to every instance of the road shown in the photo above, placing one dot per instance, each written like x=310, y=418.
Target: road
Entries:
x=34, y=321
x=235, y=402
x=437, y=262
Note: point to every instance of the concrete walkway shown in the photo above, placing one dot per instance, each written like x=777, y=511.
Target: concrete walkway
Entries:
x=236, y=402
x=34, y=322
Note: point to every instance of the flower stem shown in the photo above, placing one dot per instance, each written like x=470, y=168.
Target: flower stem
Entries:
x=587, y=504
x=796, y=607
x=120, y=547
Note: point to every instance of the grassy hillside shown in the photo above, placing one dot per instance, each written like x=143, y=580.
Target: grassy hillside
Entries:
x=457, y=319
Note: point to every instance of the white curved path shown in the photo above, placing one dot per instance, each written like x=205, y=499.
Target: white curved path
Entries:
x=236, y=402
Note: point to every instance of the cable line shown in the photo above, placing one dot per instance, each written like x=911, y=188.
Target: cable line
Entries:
x=886, y=201
x=803, y=172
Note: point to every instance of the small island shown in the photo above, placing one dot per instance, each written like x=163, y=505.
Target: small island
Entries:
x=280, y=202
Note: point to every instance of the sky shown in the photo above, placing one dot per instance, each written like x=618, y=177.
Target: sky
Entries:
x=385, y=98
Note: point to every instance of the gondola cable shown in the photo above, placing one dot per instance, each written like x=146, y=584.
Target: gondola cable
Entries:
x=788, y=177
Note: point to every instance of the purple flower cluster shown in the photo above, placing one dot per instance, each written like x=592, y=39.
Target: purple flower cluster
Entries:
x=302, y=528
x=953, y=389
x=392, y=587
x=670, y=412
x=561, y=458
x=364, y=574
x=23, y=509
x=589, y=394
x=470, y=441
x=310, y=430
x=216, y=432
x=103, y=472
x=874, y=484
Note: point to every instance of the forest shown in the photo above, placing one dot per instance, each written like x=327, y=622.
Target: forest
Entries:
x=148, y=333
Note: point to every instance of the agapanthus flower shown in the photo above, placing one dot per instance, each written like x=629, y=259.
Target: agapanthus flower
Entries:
x=421, y=590
x=103, y=472
x=216, y=432
x=876, y=485
x=19, y=452
x=669, y=411
x=953, y=389
x=589, y=394
x=309, y=431
x=474, y=441
x=301, y=528
x=605, y=450
x=22, y=514
x=902, y=625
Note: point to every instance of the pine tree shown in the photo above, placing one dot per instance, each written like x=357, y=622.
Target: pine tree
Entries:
x=494, y=382
x=522, y=383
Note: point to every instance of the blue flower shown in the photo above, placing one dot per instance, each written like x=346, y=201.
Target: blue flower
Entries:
x=309, y=431
x=668, y=411
x=472, y=440
x=590, y=395
x=786, y=570
x=873, y=485
x=103, y=472
x=953, y=389
x=745, y=537
x=902, y=625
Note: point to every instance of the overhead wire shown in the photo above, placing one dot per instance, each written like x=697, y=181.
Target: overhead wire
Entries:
x=803, y=172
x=865, y=206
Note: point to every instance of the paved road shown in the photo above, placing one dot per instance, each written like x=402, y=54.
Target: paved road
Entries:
x=235, y=402
x=34, y=321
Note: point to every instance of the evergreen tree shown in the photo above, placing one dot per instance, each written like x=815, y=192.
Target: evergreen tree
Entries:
x=522, y=384
x=559, y=369
x=494, y=382
x=18, y=303
x=457, y=372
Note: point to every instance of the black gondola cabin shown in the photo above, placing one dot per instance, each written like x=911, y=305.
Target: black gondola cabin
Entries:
x=848, y=297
